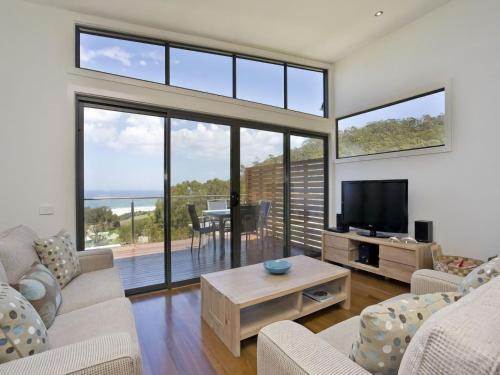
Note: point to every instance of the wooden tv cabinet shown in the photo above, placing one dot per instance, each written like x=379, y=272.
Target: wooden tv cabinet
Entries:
x=396, y=260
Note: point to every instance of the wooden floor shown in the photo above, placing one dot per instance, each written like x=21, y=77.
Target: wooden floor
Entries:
x=174, y=339
x=148, y=269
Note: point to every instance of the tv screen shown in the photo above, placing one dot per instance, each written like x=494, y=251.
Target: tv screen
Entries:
x=376, y=205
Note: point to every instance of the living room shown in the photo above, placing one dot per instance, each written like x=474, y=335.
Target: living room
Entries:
x=174, y=155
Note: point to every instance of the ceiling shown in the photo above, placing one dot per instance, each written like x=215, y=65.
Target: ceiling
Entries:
x=323, y=30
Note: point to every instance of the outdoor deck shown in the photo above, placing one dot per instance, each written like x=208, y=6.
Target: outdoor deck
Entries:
x=143, y=264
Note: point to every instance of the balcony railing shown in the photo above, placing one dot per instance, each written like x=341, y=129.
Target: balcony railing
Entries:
x=115, y=221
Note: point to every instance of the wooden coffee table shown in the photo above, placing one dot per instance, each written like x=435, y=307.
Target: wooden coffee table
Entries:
x=237, y=303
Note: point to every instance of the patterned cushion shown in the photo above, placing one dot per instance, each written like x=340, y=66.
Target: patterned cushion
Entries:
x=22, y=332
x=41, y=289
x=480, y=275
x=386, y=330
x=59, y=255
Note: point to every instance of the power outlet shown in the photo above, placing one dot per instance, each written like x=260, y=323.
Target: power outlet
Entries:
x=46, y=210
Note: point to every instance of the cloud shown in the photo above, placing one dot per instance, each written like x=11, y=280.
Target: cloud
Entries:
x=190, y=140
x=114, y=53
x=124, y=131
x=193, y=140
x=257, y=145
x=156, y=55
x=143, y=62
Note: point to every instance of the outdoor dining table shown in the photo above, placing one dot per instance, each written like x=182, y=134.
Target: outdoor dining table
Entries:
x=222, y=216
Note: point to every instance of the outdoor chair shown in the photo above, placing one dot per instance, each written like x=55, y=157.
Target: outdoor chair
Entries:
x=203, y=226
x=249, y=215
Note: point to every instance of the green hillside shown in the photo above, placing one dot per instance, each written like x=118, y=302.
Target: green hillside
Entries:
x=392, y=135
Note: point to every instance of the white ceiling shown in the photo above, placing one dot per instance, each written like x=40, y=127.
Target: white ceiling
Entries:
x=323, y=30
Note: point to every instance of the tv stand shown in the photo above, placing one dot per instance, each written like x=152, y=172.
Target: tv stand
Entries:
x=396, y=260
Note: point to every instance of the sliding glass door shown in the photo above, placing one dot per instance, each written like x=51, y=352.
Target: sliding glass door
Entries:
x=200, y=225
x=308, y=194
x=262, y=204
x=123, y=194
x=175, y=195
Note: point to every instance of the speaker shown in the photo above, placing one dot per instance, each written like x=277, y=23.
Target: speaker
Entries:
x=368, y=254
x=423, y=231
x=341, y=227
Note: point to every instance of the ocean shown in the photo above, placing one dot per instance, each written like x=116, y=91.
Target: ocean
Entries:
x=120, y=200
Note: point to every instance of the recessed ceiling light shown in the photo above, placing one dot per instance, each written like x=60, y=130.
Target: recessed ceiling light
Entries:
x=379, y=13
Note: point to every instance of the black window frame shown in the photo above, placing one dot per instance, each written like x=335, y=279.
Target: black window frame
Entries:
x=203, y=50
x=131, y=38
x=79, y=29
x=337, y=157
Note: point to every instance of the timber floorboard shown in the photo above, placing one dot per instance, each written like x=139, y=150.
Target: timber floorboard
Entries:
x=174, y=339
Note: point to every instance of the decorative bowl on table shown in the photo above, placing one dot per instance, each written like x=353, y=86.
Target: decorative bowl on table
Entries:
x=277, y=267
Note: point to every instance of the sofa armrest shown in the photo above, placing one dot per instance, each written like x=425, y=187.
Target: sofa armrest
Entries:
x=429, y=281
x=106, y=355
x=287, y=348
x=94, y=260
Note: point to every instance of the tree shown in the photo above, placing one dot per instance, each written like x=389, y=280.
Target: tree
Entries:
x=392, y=135
x=98, y=220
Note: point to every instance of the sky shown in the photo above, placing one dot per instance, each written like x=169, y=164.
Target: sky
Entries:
x=125, y=151
x=433, y=105
x=256, y=81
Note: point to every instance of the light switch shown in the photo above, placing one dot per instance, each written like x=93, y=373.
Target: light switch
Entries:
x=46, y=210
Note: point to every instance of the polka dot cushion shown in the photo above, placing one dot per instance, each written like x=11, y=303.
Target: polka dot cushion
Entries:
x=59, y=255
x=22, y=332
x=41, y=289
x=480, y=275
x=386, y=330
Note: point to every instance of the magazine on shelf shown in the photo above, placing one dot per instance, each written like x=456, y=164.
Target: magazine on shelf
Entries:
x=319, y=294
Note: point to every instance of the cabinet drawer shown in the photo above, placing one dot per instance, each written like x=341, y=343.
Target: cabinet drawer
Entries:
x=336, y=255
x=398, y=271
x=337, y=242
x=394, y=254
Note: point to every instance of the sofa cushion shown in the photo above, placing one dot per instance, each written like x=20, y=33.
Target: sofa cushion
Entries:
x=16, y=252
x=342, y=335
x=22, y=332
x=386, y=330
x=90, y=288
x=480, y=275
x=464, y=338
x=41, y=289
x=59, y=255
x=104, y=318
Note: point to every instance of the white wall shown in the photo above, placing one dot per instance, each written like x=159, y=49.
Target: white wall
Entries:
x=459, y=190
x=38, y=82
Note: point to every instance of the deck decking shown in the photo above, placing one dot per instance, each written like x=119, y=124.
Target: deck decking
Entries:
x=143, y=264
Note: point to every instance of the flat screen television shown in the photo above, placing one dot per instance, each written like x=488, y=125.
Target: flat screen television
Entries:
x=378, y=205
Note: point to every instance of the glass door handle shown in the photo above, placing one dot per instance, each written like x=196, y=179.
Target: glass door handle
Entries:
x=235, y=199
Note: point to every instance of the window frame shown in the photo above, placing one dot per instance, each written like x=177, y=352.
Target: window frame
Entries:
x=446, y=147
x=167, y=44
x=265, y=61
x=203, y=50
x=130, y=38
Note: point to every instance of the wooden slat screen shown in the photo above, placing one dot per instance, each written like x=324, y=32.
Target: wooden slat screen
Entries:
x=307, y=190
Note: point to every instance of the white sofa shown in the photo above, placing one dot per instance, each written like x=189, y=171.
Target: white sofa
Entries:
x=94, y=330
x=463, y=338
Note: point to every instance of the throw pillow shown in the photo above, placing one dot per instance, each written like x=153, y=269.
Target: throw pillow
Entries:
x=22, y=332
x=386, y=330
x=59, y=255
x=480, y=275
x=41, y=289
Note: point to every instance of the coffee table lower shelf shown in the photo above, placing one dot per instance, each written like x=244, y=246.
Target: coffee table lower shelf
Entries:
x=254, y=318
x=235, y=322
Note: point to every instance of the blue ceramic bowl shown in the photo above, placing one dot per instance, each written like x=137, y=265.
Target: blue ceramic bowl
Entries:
x=277, y=267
